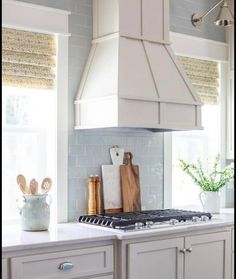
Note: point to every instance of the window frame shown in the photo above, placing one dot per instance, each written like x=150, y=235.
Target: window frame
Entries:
x=55, y=21
x=200, y=48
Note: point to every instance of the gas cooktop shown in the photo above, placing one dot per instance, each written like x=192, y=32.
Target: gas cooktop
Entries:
x=145, y=219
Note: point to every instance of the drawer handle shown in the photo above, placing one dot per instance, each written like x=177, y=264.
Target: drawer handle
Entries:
x=182, y=251
x=66, y=266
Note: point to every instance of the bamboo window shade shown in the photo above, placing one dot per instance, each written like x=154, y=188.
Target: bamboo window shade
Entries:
x=28, y=59
x=204, y=75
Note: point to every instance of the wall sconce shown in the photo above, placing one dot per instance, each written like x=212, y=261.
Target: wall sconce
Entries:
x=225, y=17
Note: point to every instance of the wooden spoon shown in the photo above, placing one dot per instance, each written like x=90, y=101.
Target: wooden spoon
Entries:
x=33, y=187
x=46, y=185
x=21, y=181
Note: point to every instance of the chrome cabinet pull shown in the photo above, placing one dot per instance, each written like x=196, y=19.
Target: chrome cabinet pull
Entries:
x=182, y=251
x=65, y=266
x=189, y=250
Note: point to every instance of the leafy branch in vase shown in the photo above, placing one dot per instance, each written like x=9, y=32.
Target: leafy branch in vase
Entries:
x=212, y=180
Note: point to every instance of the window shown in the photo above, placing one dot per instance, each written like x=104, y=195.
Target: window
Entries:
x=193, y=145
x=28, y=142
x=29, y=114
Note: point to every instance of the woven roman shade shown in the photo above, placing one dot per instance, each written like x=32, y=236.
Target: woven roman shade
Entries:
x=28, y=59
x=204, y=76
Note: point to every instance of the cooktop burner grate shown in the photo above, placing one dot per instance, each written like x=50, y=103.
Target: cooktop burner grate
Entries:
x=129, y=220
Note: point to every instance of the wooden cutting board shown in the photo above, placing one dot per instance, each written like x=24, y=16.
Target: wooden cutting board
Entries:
x=130, y=185
x=111, y=182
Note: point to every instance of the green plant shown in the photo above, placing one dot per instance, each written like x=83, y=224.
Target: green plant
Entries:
x=212, y=180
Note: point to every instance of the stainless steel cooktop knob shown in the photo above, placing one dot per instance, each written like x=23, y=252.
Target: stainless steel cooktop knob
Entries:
x=149, y=224
x=196, y=219
x=204, y=218
x=139, y=225
x=173, y=221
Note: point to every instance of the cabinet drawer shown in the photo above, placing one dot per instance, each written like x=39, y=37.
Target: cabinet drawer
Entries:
x=86, y=262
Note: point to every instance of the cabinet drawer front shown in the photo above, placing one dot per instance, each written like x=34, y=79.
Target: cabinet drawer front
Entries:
x=86, y=262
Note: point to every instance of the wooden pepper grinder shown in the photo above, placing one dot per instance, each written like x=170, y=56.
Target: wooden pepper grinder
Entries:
x=92, y=195
x=98, y=194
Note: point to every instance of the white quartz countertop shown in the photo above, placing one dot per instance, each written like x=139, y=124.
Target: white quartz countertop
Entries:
x=14, y=238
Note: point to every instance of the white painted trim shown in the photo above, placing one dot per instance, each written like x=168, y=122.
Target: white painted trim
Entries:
x=223, y=107
x=105, y=38
x=62, y=130
x=198, y=47
x=230, y=117
x=197, y=39
x=161, y=100
x=144, y=38
x=24, y=4
x=202, y=49
x=34, y=18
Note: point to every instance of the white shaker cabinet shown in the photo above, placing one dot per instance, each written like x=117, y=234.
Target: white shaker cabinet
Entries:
x=208, y=256
x=156, y=259
x=96, y=262
x=204, y=256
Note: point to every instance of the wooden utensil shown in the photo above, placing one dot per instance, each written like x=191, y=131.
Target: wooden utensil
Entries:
x=33, y=187
x=46, y=185
x=130, y=185
x=111, y=182
x=21, y=181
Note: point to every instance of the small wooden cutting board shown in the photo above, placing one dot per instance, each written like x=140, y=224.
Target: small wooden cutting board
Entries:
x=130, y=185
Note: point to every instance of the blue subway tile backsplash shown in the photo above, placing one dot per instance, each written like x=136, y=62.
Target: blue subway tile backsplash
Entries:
x=91, y=150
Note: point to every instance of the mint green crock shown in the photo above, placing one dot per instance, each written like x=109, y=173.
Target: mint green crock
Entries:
x=35, y=212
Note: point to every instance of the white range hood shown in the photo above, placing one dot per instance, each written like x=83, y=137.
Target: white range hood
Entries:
x=132, y=77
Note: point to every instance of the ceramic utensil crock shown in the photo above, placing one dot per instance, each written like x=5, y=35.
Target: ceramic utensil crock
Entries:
x=35, y=212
